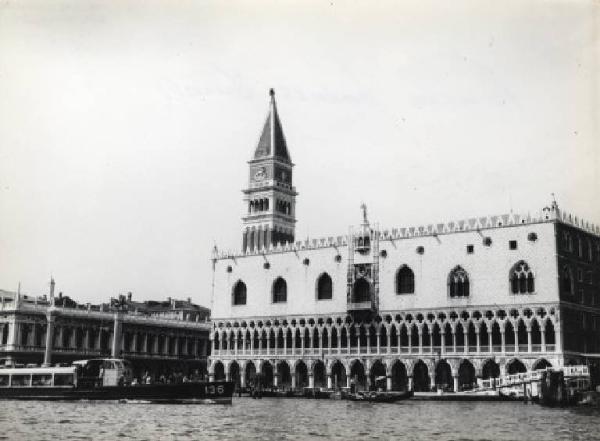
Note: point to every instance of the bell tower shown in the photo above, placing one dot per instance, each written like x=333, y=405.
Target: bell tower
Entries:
x=270, y=197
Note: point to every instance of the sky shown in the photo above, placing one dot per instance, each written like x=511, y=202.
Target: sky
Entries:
x=126, y=126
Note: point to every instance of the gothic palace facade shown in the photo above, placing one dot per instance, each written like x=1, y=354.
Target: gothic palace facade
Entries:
x=438, y=306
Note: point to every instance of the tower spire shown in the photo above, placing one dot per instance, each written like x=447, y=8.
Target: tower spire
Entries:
x=270, y=195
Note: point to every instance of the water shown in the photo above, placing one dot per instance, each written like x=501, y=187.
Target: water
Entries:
x=296, y=419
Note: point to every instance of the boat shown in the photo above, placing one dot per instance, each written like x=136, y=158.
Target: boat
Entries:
x=104, y=379
x=380, y=397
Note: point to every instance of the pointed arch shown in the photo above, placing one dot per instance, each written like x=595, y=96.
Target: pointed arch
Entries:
x=458, y=282
x=405, y=280
x=238, y=294
x=279, y=291
x=324, y=287
x=522, y=279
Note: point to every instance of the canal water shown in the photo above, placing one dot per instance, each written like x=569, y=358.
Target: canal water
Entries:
x=296, y=419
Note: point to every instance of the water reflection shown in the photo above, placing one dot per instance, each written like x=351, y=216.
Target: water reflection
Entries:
x=289, y=419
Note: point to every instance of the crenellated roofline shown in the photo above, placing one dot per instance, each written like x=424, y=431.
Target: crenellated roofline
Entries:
x=546, y=215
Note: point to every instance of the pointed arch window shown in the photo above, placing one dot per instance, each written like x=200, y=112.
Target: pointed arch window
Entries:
x=567, y=281
x=522, y=280
x=405, y=280
x=239, y=293
x=279, y=291
x=324, y=287
x=458, y=282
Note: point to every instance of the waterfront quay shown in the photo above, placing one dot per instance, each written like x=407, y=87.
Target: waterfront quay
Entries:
x=158, y=337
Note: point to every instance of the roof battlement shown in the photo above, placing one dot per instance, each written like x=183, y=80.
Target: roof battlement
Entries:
x=547, y=214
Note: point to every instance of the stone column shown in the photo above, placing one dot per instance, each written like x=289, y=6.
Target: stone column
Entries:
x=455, y=378
x=557, y=338
x=86, y=339
x=32, y=335
x=432, y=379
x=116, y=349
x=61, y=330
x=302, y=337
x=268, y=343
x=466, y=340
x=311, y=380
x=242, y=379
x=503, y=340
x=491, y=346
x=348, y=380
x=134, y=342
x=410, y=382
x=285, y=342
x=529, y=340
x=517, y=349
x=329, y=342
x=244, y=343
x=294, y=381
x=339, y=341
x=378, y=339
x=543, y=336
x=252, y=345
x=329, y=382
x=478, y=340
x=49, y=339
x=454, y=341
x=388, y=383
x=442, y=340
x=420, y=341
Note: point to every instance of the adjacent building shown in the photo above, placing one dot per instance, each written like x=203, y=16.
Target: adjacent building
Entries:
x=434, y=306
x=159, y=337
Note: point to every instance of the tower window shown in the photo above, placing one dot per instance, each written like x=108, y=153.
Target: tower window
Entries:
x=239, y=293
x=405, y=281
x=512, y=244
x=324, y=287
x=470, y=249
x=487, y=241
x=279, y=291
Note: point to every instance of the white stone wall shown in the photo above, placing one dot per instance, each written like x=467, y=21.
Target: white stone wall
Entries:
x=488, y=269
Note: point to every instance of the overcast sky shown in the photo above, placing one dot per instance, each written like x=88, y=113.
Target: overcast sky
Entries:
x=125, y=126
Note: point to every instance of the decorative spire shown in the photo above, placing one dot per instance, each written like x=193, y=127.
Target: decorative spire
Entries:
x=363, y=207
x=272, y=141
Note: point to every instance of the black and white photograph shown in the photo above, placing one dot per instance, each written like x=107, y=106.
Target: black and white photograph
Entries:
x=300, y=220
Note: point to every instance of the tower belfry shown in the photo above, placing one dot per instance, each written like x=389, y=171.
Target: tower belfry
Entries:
x=270, y=196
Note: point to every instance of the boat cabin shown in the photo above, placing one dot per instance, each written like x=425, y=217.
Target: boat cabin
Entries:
x=39, y=377
x=104, y=372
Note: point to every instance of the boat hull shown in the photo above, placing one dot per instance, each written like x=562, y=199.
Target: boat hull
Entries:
x=218, y=392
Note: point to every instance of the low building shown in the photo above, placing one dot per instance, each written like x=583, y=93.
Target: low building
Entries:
x=156, y=336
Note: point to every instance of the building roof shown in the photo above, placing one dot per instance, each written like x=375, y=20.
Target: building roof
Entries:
x=272, y=141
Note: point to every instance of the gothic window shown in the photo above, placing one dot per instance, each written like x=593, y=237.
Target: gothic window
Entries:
x=361, y=291
x=324, y=287
x=567, y=281
x=279, y=291
x=521, y=278
x=405, y=281
x=458, y=282
x=239, y=293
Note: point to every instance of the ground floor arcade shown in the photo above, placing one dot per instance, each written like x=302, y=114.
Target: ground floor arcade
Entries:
x=392, y=374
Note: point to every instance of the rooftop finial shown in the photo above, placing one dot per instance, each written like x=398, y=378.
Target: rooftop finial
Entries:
x=271, y=92
x=363, y=207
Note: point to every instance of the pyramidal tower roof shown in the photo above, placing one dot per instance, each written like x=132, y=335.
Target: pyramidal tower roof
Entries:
x=272, y=141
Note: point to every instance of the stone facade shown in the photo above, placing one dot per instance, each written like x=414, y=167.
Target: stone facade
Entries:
x=441, y=305
x=157, y=337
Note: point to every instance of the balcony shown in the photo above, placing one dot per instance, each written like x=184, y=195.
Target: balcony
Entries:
x=360, y=306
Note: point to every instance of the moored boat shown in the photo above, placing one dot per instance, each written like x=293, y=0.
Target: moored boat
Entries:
x=380, y=397
x=104, y=379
